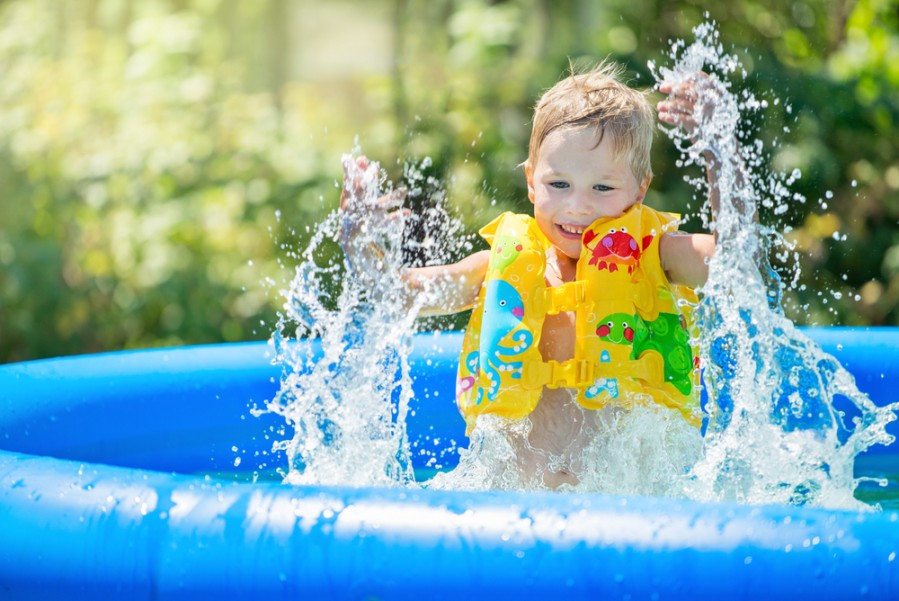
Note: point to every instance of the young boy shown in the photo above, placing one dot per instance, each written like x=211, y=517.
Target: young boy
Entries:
x=586, y=304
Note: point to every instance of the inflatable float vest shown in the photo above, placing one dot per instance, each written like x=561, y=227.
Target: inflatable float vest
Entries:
x=632, y=326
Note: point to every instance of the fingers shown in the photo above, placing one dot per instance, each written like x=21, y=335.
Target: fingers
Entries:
x=399, y=216
x=388, y=209
x=360, y=163
x=391, y=200
x=353, y=187
x=687, y=81
x=358, y=204
x=683, y=93
x=679, y=105
x=356, y=197
x=676, y=112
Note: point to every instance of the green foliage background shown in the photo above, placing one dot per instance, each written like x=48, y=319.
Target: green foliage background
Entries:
x=160, y=159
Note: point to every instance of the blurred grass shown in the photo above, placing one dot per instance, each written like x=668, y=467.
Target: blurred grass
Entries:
x=147, y=147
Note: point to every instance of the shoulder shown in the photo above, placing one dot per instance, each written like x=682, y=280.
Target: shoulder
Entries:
x=685, y=257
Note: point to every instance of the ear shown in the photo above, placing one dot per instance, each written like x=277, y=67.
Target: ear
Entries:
x=644, y=187
x=529, y=176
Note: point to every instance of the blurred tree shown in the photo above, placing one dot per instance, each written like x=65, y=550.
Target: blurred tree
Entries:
x=140, y=179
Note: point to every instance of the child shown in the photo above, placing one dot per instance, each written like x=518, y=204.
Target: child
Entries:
x=587, y=304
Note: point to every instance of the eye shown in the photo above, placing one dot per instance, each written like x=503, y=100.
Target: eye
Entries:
x=612, y=230
x=559, y=185
x=502, y=303
x=624, y=229
x=602, y=187
x=610, y=324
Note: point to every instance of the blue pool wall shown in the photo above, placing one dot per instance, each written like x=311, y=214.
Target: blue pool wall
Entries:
x=116, y=483
x=183, y=409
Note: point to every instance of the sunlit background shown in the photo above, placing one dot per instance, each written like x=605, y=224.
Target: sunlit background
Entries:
x=147, y=147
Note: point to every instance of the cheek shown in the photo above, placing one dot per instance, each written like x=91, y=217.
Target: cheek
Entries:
x=550, y=197
x=541, y=202
x=625, y=201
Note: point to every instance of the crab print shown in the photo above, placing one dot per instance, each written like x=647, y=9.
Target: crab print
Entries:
x=616, y=250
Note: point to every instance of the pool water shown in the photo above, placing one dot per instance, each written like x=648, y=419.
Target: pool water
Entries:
x=882, y=467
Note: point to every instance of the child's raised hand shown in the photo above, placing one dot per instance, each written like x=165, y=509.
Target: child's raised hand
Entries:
x=698, y=106
x=360, y=179
x=366, y=217
x=679, y=107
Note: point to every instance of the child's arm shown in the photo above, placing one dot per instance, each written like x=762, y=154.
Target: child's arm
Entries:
x=440, y=289
x=685, y=256
x=449, y=288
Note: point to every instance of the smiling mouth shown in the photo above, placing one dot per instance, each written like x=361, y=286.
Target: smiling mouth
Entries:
x=573, y=230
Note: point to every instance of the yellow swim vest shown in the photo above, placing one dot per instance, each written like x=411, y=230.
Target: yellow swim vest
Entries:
x=632, y=326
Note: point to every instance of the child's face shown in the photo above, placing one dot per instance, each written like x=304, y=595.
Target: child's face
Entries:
x=574, y=182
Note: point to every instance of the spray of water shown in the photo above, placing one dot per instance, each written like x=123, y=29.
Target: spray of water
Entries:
x=344, y=336
x=786, y=419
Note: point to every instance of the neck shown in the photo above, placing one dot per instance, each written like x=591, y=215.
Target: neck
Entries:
x=563, y=266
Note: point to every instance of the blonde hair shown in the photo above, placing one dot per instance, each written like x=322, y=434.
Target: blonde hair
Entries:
x=599, y=99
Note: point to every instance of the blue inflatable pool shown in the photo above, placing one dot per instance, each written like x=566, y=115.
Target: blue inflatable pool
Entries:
x=117, y=481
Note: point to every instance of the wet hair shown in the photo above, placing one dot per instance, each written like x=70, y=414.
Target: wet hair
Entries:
x=597, y=98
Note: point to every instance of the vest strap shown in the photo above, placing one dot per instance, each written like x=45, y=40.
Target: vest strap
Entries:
x=581, y=373
x=572, y=296
x=576, y=296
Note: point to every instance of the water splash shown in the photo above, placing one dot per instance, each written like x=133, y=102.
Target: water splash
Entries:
x=786, y=419
x=344, y=336
x=642, y=450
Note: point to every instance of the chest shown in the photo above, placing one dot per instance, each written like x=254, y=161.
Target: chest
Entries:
x=558, y=336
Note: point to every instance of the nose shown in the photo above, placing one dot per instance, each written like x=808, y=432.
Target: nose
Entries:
x=577, y=201
x=582, y=204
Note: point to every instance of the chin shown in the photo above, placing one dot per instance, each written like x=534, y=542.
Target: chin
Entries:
x=574, y=255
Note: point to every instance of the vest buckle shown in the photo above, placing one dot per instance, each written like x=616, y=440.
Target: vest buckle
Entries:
x=574, y=373
x=567, y=297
